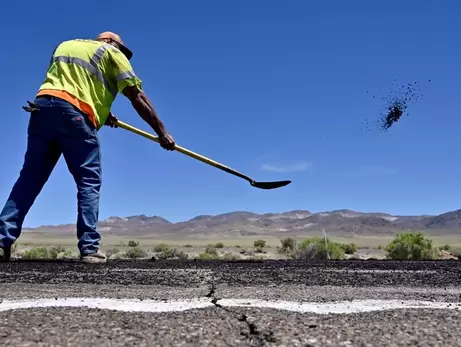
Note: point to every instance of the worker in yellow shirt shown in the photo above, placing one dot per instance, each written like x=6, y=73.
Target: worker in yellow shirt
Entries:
x=72, y=104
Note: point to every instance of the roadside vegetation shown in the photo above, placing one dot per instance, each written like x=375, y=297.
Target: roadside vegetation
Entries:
x=412, y=246
x=404, y=246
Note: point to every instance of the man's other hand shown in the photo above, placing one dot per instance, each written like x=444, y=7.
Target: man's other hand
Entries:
x=112, y=121
x=167, y=142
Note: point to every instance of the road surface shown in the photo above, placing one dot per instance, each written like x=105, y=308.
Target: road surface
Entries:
x=197, y=303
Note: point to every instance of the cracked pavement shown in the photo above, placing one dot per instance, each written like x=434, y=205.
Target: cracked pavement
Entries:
x=220, y=325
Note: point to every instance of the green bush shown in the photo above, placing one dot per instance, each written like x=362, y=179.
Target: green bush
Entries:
x=219, y=245
x=207, y=256
x=411, y=246
x=36, y=253
x=162, y=247
x=210, y=249
x=167, y=254
x=288, y=244
x=314, y=248
x=132, y=243
x=171, y=253
x=289, y=247
x=348, y=248
x=259, y=244
x=445, y=248
x=57, y=251
x=64, y=255
x=135, y=253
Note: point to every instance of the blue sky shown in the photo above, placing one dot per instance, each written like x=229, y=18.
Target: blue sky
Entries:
x=277, y=90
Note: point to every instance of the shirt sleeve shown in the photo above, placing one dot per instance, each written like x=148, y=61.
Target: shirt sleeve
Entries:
x=123, y=71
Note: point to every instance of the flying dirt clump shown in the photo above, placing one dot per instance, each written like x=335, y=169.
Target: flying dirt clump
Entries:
x=395, y=112
x=397, y=103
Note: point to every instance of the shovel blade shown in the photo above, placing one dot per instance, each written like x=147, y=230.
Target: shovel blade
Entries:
x=270, y=185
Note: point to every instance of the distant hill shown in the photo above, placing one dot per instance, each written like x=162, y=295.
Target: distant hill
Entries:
x=292, y=223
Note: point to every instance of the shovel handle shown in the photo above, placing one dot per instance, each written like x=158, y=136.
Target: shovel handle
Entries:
x=183, y=150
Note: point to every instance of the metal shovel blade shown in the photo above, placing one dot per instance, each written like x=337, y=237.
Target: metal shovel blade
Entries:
x=270, y=185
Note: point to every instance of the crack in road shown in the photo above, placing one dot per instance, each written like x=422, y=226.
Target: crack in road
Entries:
x=257, y=337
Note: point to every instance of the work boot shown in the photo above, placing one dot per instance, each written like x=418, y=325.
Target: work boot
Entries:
x=5, y=254
x=98, y=257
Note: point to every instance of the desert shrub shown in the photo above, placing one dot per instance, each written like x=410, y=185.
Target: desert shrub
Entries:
x=112, y=251
x=219, y=245
x=237, y=246
x=167, y=254
x=171, y=253
x=210, y=249
x=132, y=243
x=259, y=244
x=188, y=246
x=411, y=246
x=348, y=248
x=162, y=247
x=207, y=256
x=445, y=248
x=288, y=244
x=55, y=251
x=289, y=247
x=65, y=254
x=36, y=253
x=314, y=248
x=135, y=253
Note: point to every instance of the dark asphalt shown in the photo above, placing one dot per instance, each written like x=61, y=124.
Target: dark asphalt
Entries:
x=194, y=273
x=219, y=325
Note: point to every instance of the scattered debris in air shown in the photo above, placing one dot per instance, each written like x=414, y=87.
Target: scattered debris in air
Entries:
x=396, y=105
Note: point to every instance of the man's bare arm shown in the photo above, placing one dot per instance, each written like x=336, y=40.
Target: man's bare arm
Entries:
x=145, y=109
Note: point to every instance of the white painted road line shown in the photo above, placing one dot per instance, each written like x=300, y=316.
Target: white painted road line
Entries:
x=138, y=305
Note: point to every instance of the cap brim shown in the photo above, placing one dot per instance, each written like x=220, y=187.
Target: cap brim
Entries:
x=128, y=53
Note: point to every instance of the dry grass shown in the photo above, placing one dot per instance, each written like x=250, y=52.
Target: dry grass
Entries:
x=369, y=246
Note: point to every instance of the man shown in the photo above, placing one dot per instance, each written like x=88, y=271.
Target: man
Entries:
x=71, y=106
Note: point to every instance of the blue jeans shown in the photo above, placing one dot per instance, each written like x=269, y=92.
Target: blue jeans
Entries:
x=57, y=128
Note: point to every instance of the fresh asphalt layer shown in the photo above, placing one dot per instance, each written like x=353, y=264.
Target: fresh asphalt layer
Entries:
x=217, y=303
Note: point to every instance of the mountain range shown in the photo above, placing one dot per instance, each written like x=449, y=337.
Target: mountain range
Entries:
x=292, y=223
